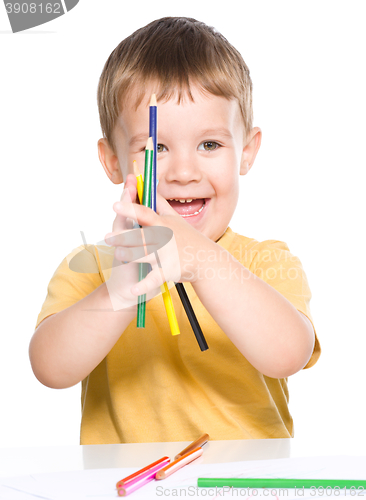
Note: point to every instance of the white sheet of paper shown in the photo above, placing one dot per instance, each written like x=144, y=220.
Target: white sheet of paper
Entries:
x=100, y=484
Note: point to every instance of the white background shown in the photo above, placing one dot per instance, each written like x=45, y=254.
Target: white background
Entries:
x=307, y=61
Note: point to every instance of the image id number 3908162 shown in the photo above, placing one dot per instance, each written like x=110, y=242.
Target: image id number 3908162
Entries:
x=33, y=8
x=337, y=492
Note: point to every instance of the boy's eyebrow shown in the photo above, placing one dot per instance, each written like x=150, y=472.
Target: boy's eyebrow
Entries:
x=217, y=131
x=138, y=138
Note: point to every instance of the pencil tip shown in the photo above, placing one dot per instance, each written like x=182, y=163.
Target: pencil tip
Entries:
x=153, y=101
x=150, y=144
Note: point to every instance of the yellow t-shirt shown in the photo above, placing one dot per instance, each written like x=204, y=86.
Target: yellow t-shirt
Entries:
x=155, y=387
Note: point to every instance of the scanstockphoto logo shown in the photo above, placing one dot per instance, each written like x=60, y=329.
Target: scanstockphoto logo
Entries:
x=26, y=14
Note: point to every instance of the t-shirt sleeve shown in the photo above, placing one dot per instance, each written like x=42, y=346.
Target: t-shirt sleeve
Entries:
x=274, y=264
x=76, y=277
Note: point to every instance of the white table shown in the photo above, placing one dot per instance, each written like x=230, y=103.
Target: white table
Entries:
x=19, y=461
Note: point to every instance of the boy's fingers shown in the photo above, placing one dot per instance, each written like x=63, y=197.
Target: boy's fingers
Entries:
x=140, y=244
x=146, y=235
x=163, y=207
x=120, y=223
x=143, y=216
x=152, y=282
x=108, y=238
x=115, y=238
x=136, y=254
x=131, y=179
x=131, y=186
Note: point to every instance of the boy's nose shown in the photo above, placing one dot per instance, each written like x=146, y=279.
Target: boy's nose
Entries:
x=183, y=169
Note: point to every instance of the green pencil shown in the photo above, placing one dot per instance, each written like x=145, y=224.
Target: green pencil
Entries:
x=243, y=482
x=146, y=201
x=149, y=154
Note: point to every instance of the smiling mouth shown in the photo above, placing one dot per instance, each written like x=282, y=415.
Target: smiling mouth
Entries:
x=187, y=207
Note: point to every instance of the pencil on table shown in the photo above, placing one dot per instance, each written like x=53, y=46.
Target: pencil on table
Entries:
x=269, y=482
x=134, y=484
x=196, y=444
x=151, y=467
x=177, y=464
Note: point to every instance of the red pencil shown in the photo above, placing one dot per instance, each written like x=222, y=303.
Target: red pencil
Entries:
x=139, y=481
x=125, y=480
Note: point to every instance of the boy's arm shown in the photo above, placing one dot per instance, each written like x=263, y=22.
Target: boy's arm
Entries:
x=68, y=345
x=267, y=329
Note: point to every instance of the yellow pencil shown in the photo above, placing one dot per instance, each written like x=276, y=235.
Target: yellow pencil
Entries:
x=167, y=298
x=140, y=182
x=169, y=307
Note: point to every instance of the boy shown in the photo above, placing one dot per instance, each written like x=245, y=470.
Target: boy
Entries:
x=251, y=298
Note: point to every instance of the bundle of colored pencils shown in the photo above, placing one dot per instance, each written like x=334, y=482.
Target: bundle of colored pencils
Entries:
x=161, y=469
x=146, y=189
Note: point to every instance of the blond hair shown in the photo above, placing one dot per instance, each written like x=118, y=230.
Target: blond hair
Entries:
x=174, y=52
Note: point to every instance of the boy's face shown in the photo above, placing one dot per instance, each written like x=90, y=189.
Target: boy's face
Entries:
x=202, y=149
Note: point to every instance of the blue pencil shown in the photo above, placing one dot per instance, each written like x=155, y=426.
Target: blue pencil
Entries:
x=153, y=127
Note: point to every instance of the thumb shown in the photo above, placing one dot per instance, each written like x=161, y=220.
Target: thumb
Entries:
x=163, y=207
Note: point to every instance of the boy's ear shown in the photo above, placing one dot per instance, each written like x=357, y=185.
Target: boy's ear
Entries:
x=109, y=161
x=250, y=150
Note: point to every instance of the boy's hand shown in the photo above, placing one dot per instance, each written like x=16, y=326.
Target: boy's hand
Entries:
x=124, y=275
x=165, y=233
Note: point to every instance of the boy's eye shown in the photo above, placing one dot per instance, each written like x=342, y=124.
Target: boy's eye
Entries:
x=208, y=146
x=160, y=148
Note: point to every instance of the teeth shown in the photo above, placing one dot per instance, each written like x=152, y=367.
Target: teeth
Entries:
x=188, y=200
x=196, y=213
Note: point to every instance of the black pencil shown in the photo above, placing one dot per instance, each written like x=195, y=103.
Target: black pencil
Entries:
x=191, y=316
